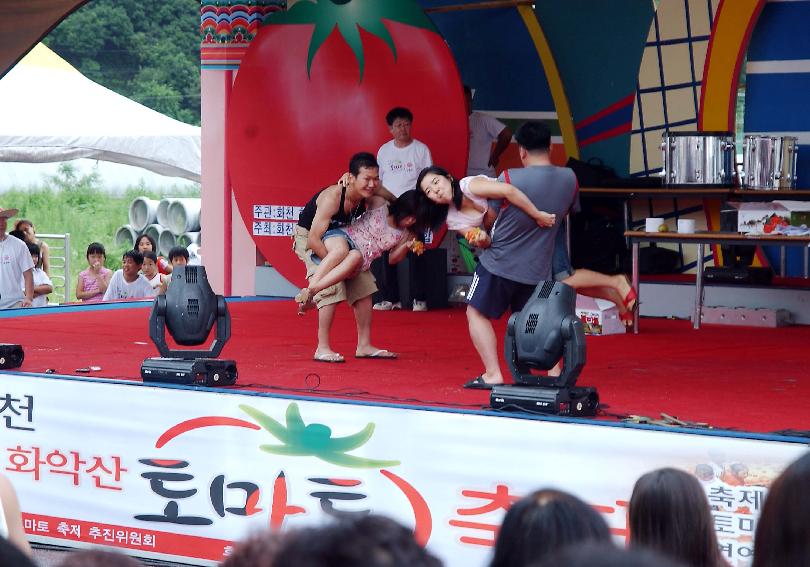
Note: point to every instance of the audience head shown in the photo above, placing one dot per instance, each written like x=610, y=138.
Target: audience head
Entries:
x=149, y=266
x=99, y=558
x=606, y=555
x=18, y=234
x=11, y=555
x=783, y=531
x=669, y=513
x=544, y=522
x=33, y=249
x=145, y=243
x=533, y=136
x=27, y=227
x=365, y=541
x=96, y=255
x=399, y=122
x=178, y=256
x=131, y=263
x=258, y=550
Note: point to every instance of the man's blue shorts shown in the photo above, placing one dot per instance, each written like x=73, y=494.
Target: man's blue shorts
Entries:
x=492, y=295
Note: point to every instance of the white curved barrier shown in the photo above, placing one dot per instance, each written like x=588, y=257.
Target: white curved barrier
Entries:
x=188, y=238
x=125, y=236
x=184, y=216
x=163, y=210
x=166, y=241
x=142, y=212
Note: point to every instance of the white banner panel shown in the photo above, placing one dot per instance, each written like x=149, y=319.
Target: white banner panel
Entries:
x=182, y=473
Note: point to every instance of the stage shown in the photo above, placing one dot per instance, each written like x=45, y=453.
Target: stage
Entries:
x=179, y=473
x=737, y=378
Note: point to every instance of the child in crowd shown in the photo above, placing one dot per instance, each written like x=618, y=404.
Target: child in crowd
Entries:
x=352, y=249
x=146, y=243
x=150, y=271
x=128, y=283
x=94, y=280
x=178, y=256
x=42, y=283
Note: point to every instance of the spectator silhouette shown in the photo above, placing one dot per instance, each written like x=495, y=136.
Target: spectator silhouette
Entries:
x=259, y=550
x=99, y=558
x=365, y=541
x=545, y=522
x=604, y=555
x=783, y=533
x=669, y=513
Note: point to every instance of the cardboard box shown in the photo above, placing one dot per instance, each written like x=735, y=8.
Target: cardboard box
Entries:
x=760, y=218
x=599, y=316
x=799, y=212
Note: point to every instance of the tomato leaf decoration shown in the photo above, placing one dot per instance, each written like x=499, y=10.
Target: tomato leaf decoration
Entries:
x=349, y=16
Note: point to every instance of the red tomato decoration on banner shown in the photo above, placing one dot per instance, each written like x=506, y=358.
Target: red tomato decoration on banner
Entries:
x=314, y=87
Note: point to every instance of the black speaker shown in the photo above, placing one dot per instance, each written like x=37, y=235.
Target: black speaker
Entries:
x=11, y=356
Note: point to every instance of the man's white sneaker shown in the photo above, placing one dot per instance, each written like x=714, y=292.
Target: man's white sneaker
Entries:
x=387, y=306
x=419, y=305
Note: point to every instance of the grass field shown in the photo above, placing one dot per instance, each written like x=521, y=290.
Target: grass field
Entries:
x=67, y=203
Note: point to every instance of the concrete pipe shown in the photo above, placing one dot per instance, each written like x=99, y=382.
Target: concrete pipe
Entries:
x=166, y=242
x=188, y=238
x=184, y=216
x=154, y=231
x=163, y=210
x=125, y=237
x=142, y=212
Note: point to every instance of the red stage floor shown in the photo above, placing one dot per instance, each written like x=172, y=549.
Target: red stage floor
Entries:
x=739, y=378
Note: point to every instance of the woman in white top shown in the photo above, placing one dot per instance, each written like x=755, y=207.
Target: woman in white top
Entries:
x=11, y=526
x=466, y=202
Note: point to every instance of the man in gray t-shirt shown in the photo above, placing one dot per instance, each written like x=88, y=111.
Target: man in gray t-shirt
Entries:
x=521, y=252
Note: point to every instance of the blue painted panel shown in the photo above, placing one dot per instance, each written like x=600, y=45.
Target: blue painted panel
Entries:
x=775, y=102
x=781, y=32
x=496, y=56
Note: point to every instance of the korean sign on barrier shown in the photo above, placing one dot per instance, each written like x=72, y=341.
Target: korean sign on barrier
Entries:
x=181, y=474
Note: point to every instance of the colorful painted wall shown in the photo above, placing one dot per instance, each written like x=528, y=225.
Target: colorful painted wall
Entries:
x=608, y=80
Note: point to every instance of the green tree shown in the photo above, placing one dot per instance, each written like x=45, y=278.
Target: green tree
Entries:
x=146, y=50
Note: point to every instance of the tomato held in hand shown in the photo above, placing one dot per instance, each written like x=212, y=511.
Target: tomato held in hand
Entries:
x=314, y=88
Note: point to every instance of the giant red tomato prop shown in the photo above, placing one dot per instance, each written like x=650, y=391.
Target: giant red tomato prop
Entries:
x=314, y=88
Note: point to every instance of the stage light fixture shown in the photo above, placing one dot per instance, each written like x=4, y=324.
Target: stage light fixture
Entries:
x=544, y=331
x=11, y=356
x=189, y=310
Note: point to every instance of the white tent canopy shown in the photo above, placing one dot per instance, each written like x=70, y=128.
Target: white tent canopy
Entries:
x=52, y=113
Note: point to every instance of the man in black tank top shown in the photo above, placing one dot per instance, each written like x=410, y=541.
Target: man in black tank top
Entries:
x=334, y=207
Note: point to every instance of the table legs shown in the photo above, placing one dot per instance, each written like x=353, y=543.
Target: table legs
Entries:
x=636, y=287
x=701, y=250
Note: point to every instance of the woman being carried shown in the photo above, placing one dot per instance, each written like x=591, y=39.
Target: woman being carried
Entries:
x=463, y=204
x=383, y=227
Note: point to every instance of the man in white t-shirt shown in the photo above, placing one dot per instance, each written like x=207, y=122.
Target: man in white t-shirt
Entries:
x=15, y=266
x=484, y=130
x=128, y=283
x=401, y=160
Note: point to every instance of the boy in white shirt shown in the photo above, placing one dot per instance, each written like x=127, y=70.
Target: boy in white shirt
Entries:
x=400, y=160
x=128, y=283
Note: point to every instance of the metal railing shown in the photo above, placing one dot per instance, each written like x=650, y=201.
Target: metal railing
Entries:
x=60, y=266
